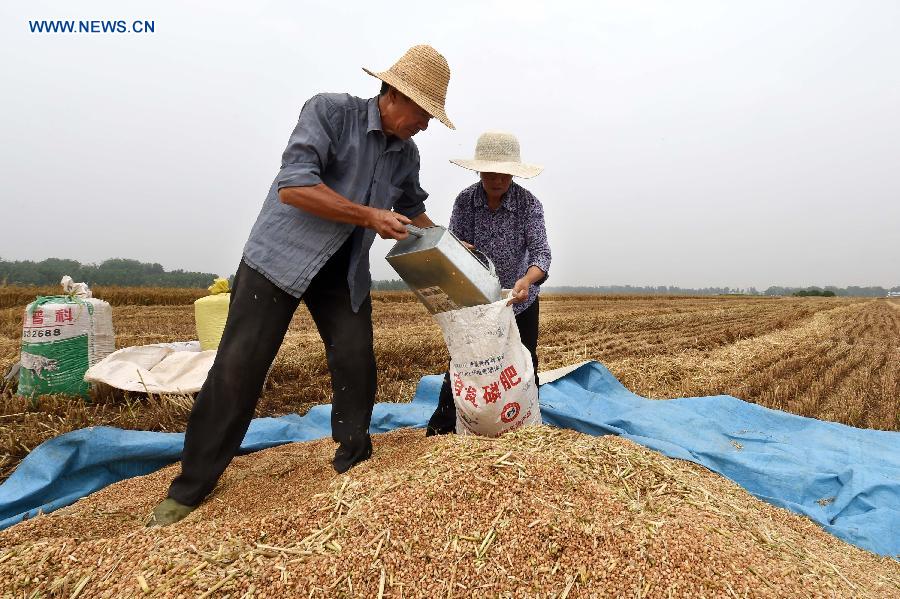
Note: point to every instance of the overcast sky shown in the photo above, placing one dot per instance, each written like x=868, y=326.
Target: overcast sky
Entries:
x=684, y=143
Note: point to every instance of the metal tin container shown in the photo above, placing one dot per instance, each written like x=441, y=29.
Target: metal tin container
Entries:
x=442, y=272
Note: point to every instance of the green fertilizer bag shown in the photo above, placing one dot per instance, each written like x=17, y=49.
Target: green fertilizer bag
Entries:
x=62, y=336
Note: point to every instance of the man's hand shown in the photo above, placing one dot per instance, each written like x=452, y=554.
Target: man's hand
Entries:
x=388, y=224
x=519, y=291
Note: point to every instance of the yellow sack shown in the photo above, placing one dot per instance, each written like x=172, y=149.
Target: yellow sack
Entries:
x=210, y=314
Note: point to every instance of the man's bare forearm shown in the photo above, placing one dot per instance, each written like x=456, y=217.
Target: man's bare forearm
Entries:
x=322, y=201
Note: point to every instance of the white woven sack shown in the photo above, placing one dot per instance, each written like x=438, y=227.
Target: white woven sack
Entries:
x=491, y=374
x=159, y=368
x=102, y=337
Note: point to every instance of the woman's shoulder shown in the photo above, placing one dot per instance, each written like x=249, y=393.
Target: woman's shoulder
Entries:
x=468, y=194
x=524, y=197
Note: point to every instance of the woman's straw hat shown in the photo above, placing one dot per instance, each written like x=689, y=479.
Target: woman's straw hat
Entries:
x=498, y=152
x=422, y=75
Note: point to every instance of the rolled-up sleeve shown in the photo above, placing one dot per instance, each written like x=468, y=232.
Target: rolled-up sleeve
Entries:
x=461, y=218
x=412, y=203
x=536, y=240
x=311, y=145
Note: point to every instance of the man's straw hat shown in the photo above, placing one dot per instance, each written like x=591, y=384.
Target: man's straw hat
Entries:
x=498, y=152
x=422, y=75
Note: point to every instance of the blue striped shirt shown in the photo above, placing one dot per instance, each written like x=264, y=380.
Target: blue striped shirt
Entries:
x=338, y=141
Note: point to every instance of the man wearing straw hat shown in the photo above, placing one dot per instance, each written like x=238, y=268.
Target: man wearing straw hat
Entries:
x=350, y=170
x=504, y=221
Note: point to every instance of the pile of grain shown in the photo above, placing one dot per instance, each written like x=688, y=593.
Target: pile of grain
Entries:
x=541, y=512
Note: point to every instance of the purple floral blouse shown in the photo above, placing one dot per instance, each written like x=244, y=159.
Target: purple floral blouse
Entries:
x=513, y=237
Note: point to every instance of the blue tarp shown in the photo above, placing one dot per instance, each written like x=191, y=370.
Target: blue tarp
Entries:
x=845, y=479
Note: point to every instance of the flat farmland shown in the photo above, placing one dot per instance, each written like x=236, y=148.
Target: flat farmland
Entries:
x=834, y=359
x=571, y=515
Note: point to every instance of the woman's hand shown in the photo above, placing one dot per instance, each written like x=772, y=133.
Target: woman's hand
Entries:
x=519, y=291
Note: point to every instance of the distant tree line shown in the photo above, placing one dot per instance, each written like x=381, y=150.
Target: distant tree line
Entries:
x=132, y=273
x=399, y=285
x=390, y=285
x=651, y=290
x=115, y=271
x=831, y=291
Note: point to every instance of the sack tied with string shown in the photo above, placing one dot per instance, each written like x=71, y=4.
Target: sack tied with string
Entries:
x=62, y=336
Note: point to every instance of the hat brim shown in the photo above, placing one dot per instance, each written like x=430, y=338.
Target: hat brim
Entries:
x=413, y=94
x=516, y=169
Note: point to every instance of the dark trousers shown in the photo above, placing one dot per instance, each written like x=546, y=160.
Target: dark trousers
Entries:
x=258, y=318
x=443, y=421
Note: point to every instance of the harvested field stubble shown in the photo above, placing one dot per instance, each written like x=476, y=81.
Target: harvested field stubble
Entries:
x=19, y=296
x=538, y=513
x=830, y=358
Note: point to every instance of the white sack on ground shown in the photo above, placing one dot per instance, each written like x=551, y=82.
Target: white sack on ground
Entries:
x=548, y=376
x=158, y=368
x=491, y=375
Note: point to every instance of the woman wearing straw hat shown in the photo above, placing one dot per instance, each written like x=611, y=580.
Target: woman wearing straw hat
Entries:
x=504, y=221
x=350, y=170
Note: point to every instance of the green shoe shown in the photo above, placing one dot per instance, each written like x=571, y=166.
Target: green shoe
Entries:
x=169, y=512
